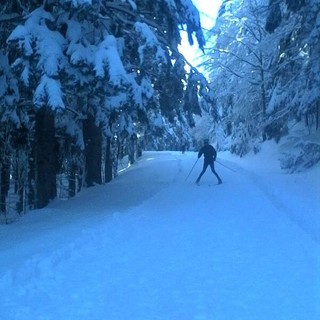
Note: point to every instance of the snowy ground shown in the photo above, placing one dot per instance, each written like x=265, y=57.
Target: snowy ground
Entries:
x=151, y=246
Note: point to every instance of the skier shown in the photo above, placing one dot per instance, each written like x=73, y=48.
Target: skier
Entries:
x=210, y=155
x=183, y=148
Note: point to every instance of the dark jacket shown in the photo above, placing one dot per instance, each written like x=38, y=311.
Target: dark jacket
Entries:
x=209, y=153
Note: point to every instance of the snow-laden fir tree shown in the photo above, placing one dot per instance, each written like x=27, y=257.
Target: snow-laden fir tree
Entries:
x=91, y=82
x=264, y=64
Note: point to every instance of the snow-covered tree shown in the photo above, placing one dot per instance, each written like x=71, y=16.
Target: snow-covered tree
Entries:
x=294, y=96
x=264, y=67
x=237, y=63
x=97, y=76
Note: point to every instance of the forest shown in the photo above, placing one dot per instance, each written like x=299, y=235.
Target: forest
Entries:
x=264, y=66
x=85, y=84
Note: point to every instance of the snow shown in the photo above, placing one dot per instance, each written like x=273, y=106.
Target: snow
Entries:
x=133, y=5
x=107, y=53
x=25, y=74
x=115, y=102
x=191, y=12
x=51, y=89
x=153, y=245
x=78, y=3
x=150, y=41
x=146, y=88
x=48, y=45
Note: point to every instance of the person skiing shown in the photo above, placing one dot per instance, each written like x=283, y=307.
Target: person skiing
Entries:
x=210, y=155
x=183, y=148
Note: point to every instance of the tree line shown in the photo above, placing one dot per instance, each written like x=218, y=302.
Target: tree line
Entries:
x=85, y=84
x=263, y=60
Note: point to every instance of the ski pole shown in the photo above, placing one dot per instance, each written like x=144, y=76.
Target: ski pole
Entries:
x=191, y=169
x=225, y=166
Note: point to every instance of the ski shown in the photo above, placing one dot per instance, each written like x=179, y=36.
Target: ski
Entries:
x=209, y=185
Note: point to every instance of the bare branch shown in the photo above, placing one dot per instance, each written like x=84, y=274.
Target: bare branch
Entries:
x=137, y=17
x=245, y=45
x=238, y=57
x=11, y=17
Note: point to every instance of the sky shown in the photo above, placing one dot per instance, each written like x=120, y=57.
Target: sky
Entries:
x=208, y=10
x=152, y=245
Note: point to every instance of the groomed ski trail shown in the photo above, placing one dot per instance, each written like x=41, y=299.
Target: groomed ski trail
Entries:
x=151, y=246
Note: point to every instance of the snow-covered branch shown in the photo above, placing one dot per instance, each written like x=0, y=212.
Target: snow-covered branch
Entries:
x=229, y=52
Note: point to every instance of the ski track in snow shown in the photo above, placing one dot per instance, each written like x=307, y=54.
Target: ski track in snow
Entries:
x=278, y=197
x=162, y=248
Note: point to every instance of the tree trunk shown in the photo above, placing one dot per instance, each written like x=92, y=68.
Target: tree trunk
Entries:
x=72, y=181
x=131, y=150
x=31, y=178
x=5, y=182
x=93, y=144
x=317, y=115
x=108, y=161
x=45, y=158
x=21, y=171
x=263, y=93
x=139, y=149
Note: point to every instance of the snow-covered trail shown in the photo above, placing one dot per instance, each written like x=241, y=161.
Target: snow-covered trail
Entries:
x=150, y=245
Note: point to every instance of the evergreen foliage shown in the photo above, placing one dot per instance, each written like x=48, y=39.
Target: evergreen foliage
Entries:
x=85, y=84
x=264, y=64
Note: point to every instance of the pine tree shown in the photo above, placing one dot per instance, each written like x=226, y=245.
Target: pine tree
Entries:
x=100, y=76
x=264, y=65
